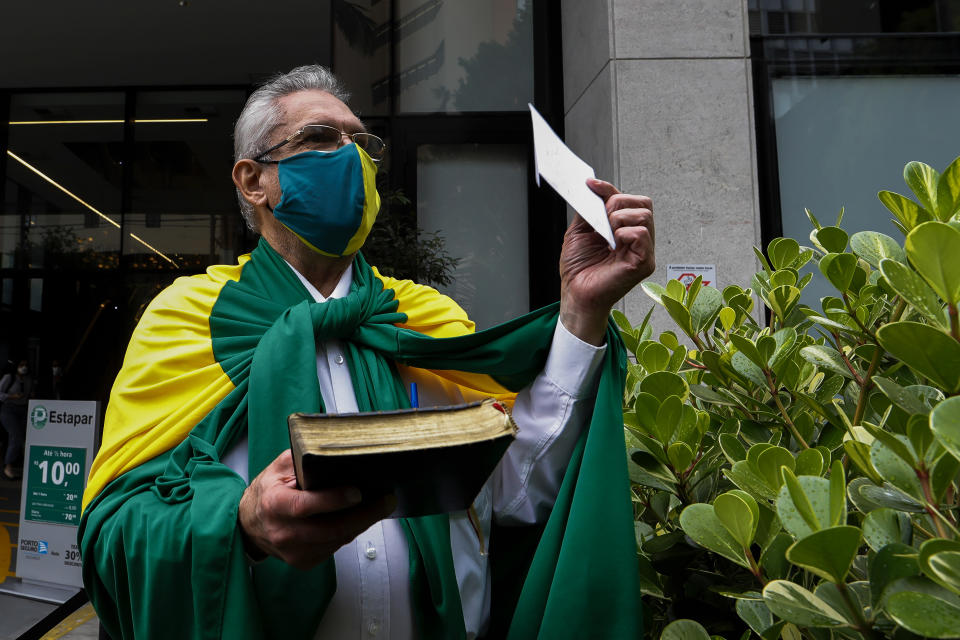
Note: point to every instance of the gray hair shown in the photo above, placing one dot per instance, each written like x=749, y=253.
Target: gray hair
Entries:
x=261, y=115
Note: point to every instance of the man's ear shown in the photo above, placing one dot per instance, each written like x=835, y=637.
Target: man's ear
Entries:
x=246, y=175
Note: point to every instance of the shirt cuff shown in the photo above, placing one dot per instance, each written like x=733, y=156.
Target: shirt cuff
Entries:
x=573, y=364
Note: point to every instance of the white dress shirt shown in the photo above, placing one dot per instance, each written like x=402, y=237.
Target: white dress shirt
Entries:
x=372, y=599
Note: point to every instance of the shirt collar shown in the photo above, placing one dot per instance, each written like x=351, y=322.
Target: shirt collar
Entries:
x=340, y=291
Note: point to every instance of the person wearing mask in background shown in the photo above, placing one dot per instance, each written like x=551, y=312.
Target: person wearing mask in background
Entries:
x=15, y=391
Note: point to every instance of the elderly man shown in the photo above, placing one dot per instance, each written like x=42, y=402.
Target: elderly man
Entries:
x=193, y=525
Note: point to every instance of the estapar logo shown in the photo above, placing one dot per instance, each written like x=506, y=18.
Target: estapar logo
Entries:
x=38, y=417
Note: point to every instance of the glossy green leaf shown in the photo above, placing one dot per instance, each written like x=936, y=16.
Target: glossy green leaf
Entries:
x=928, y=351
x=897, y=443
x=727, y=317
x=700, y=522
x=839, y=269
x=939, y=559
x=782, y=300
x=621, y=320
x=773, y=560
x=676, y=290
x=744, y=477
x=830, y=239
x=858, y=591
x=826, y=358
x=889, y=496
x=803, y=504
x=758, y=617
x=859, y=454
x=748, y=348
x=891, y=563
x=769, y=463
x=948, y=191
x=883, y=527
x=746, y=367
x=708, y=395
x=838, y=494
x=809, y=462
x=680, y=455
x=933, y=248
x=827, y=553
x=946, y=566
x=739, y=513
x=895, y=470
x=922, y=180
x=684, y=630
x=783, y=252
x=654, y=290
x=784, y=341
x=908, y=212
x=945, y=425
x=732, y=448
x=944, y=473
x=655, y=357
x=678, y=313
x=797, y=605
x=874, y=247
x=664, y=384
x=668, y=419
x=705, y=307
x=924, y=615
x=912, y=288
x=905, y=398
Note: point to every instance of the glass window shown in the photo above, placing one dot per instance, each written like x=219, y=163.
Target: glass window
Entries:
x=361, y=54
x=63, y=183
x=484, y=227
x=854, y=16
x=840, y=140
x=183, y=212
x=464, y=56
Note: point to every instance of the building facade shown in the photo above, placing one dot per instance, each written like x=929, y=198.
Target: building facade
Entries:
x=733, y=115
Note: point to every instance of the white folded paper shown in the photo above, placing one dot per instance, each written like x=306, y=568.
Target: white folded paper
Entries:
x=568, y=174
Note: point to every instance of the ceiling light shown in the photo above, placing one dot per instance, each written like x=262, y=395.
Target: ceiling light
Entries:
x=85, y=203
x=136, y=121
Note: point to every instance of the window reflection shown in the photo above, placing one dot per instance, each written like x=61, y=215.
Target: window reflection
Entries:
x=485, y=228
x=183, y=212
x=769, y=17
x=63, y=181
x=451, y=55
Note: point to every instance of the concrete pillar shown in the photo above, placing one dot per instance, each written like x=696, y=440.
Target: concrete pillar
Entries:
x=658, y=98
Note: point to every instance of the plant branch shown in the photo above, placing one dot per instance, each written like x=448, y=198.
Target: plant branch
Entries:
x=754, y=567
x=866, y=384
x=939, y=520
x=783, y=411
x=853, y=314
x=864, y=627
x=954, y=322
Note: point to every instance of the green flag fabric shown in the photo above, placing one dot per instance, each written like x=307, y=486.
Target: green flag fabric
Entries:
x=161, y=548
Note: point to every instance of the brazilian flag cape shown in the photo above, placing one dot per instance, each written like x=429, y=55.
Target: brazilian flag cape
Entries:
x=233, y=351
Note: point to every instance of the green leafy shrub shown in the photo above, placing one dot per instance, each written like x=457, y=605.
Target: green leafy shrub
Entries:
x=801, y=479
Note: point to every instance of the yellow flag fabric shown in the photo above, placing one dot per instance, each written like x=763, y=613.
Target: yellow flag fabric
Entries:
x=171, y=377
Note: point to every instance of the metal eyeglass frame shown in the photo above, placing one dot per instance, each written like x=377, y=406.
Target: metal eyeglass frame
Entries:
x=352, y=136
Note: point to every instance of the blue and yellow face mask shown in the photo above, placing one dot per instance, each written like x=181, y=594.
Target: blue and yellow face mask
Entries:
x=329, y=199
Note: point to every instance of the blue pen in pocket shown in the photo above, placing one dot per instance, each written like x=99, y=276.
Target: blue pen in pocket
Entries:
x=414, y=396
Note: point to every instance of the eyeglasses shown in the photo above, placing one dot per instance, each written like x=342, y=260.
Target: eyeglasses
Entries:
x=320, y=137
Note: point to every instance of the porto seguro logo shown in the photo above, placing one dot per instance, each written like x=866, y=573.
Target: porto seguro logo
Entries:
x=38, y=417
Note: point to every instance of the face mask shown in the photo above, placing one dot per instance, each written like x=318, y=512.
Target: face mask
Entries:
x=329, y=200
x=22, y=371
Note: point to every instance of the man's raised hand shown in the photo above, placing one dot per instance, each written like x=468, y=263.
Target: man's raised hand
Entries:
x=593, y=276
